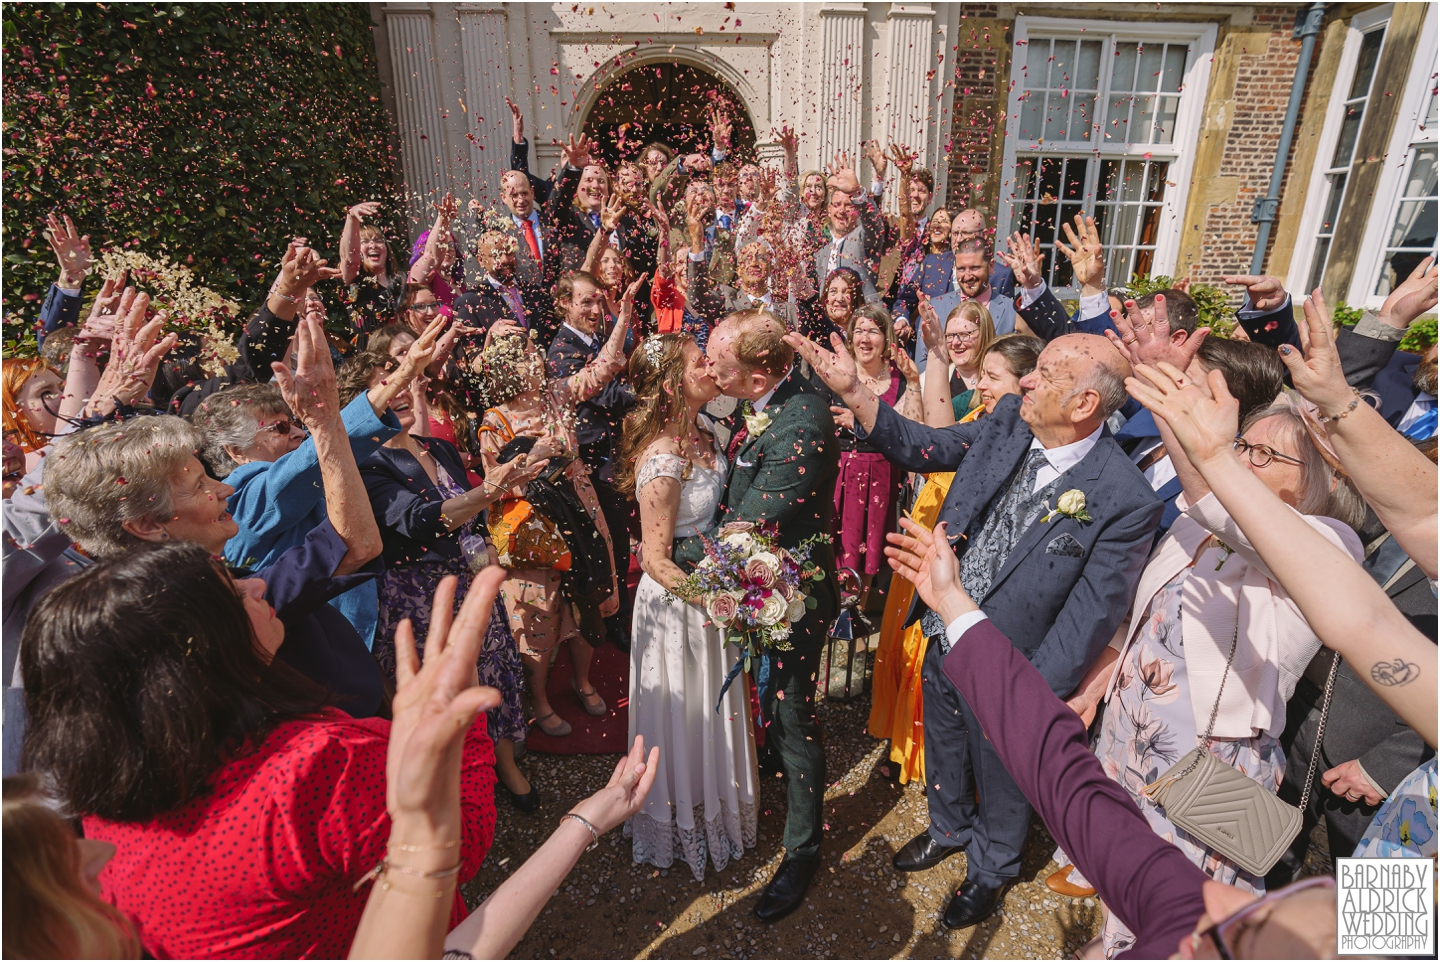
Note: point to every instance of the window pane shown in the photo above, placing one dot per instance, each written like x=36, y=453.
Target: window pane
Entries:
x=1349, y=131
x=1158, y=170
x=1122, y=76
x=1082, y=120
x=1165, y=121
x=1365, y=65
x=1037, y=65
x=1174, y=73
x=1147, y=76
x=1414, y=225
x=1332, y=203
x=1057, y=112
x=1087, y=75
x=1421, y=181
x=1142, y=118
x=1317, y=270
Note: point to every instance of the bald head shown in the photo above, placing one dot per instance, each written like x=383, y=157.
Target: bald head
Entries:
x=1078, y=382
x=516, y=193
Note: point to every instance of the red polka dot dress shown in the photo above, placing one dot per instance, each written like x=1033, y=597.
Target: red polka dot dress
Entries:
x=263, y=865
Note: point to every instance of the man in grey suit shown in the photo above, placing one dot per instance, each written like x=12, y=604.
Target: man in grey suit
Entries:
x=1052, y=524
x=859, y=236
x=750, y=292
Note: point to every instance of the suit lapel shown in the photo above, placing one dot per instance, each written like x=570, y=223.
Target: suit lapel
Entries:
x=1088, y=470
x=971, y=493
x=740, y=477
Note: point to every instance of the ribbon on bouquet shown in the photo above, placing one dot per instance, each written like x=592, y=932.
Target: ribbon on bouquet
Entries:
x=763, y=677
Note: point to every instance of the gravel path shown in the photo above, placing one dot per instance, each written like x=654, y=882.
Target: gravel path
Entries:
x=858, y=906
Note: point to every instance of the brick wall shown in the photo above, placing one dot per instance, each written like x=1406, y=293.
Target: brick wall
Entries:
x=976, y=141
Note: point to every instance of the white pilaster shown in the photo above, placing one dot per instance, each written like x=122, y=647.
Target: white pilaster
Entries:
x=418, y=110
x=842, y=73
x=909, y=57
x=484, y=53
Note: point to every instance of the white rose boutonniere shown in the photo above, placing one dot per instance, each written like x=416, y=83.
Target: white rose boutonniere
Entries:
x=1071, y=505
x=757, y=424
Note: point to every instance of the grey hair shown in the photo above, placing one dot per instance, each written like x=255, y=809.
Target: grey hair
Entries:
x=1110, y=385
x=1324, y=491
x=230, y=418
x=99, y=478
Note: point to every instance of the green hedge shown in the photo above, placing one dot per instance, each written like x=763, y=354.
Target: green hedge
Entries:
x=211, y=132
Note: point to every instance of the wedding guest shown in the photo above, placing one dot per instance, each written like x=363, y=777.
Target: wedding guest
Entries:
x=429, y=517
x=575, y=205
x=166, y=495
x=252, y=760
x=52, y=883
x=1172, y=907
x=897, y=701
x=61, y=307
x=867, y=492
x=1059, y=588
x=607, y=263
x=953, y=388
x=527, y=403
x=840, y=296
x=859, y=236
x=435, y=260
x=927, y=266
x=501, y=294
x=31, y=401
x=972, y=283
x=654, y=159
x=703, y=806
x=374, y=283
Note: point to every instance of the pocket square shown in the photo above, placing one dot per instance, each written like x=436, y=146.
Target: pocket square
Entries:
x=1065, y=545
x=739, y=463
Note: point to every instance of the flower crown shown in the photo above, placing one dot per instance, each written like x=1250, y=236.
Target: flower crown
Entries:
x=654, y=350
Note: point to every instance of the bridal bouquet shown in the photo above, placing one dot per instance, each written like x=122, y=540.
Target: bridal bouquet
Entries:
x=753, y=589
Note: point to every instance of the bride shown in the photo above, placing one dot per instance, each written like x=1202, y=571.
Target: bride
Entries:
x=703, y=802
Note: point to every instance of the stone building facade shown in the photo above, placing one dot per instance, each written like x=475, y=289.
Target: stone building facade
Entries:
x=1161, y=120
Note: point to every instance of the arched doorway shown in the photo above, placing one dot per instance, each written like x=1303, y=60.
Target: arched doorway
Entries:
x=665, y=102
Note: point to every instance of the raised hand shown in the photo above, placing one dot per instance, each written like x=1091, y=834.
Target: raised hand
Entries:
x=625, y=793
x=517, y=472
x=612, y=212
x=517, y=122
x=576, y=152
x=502, y=328
x=877, y=158
x=1024, y=260
x=836, y=367
x=906, y=365
x=365, y=209
x=842, y=175
x=697, y=209
x=789, y=140
x=72, y=251
x=109, y=304
x=931, y=331
x=446, y=211
x=1205, y=423
x=844, y=418
x=696, y=163
x=903, y=158
x=1086, y=254
x=925, y=559
x=136, y=350
x=720, y=128
x=1317, y=374
x=1412, y=298
x=627, y=303
x=309, y=390
x=1150, y=341
x=1266, y=293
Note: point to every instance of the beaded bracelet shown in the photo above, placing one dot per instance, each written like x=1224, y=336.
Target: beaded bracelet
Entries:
x=1354, y=403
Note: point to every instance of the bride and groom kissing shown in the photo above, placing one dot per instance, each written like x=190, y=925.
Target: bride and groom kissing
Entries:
x=779, y=467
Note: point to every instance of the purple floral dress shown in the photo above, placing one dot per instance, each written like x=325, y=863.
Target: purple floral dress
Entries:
x=408, y=590
x=1149, y=724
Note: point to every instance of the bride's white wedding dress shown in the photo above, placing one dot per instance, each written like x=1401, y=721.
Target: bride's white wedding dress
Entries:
x=703, y=802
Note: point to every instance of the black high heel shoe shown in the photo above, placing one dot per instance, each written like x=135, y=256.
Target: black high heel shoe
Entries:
x=529, y=803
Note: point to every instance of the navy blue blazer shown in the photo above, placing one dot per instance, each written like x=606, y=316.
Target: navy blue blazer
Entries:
x=1067, y=585
x=1142, y=427
x=407, y=503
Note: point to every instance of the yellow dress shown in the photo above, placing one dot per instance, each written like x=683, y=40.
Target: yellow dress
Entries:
x=897, y=704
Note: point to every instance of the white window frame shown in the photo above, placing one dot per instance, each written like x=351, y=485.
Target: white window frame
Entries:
x=1297, y=275
x=1194, y=87
x=1371, y=259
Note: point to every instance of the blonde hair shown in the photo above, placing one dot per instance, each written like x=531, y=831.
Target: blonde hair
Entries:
x=980, y=315
x=51, y=911
x=657, y=373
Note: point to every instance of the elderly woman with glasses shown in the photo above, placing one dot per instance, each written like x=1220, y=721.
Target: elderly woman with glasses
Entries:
x=1214, y=645
x=253, y=441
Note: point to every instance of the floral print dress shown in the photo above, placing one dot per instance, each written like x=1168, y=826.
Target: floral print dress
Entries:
x=1149, y=724
x=1404, y=827
x=408, y=591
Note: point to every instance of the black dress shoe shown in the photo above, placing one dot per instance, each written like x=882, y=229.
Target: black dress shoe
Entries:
x=527, y=803
x=974, y=903
x=787, y=889
x=923, y=852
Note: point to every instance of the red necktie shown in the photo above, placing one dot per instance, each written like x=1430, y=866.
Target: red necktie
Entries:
x=530, y=240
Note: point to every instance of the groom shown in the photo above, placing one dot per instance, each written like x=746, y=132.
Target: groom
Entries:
x=783, y=464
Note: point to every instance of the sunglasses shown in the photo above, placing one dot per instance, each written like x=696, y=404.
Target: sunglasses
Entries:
x=1261, y=455
x=1225, y=935
x=283, y=427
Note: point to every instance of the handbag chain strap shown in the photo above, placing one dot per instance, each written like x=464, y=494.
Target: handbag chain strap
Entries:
x=1320, y=731
x=1214, y=712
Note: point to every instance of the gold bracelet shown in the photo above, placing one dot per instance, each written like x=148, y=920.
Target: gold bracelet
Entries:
x=383, y=868
x=424, y=848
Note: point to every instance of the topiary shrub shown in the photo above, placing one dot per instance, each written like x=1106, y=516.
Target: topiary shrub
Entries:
x=209, y=133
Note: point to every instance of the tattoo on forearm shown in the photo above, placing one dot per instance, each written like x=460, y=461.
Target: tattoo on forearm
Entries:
x=1394, y=673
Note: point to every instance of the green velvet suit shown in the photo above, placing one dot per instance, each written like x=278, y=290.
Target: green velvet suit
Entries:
x=786, y=476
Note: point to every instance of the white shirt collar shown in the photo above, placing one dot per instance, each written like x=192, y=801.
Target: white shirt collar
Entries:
x=534, y=218
x=589, y=341
x=498, y=285
x=759, y=403
x=1066, y=456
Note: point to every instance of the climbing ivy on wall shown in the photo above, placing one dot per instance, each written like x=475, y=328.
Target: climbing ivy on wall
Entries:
x=211, y=132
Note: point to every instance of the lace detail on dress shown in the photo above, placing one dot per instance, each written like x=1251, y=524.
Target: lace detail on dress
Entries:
x=661, y=466
x=721, y=838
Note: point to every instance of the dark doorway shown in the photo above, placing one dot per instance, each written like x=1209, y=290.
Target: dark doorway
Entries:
x=667, y=102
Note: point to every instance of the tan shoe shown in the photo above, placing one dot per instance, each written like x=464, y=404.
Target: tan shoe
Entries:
x=1060, y=884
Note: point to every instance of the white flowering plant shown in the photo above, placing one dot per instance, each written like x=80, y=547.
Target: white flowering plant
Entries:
x=753, y=589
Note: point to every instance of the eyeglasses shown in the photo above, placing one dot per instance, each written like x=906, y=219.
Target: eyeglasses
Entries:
x=1225, y=935
x=1262, y=454
x=427, y=308
x=962, y=337
x=282, y=427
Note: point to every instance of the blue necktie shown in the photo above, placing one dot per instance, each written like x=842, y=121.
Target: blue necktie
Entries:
x=1424, y=425
x=595, y=220
x=724, y=222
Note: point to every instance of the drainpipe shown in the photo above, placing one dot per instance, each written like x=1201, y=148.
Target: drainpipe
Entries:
x=1307, y=27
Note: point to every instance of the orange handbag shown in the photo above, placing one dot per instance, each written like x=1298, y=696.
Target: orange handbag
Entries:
x=523, y=537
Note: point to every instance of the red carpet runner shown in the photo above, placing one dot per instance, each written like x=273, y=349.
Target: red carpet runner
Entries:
x=610, y=674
